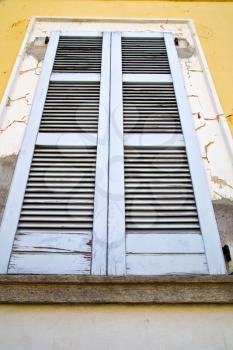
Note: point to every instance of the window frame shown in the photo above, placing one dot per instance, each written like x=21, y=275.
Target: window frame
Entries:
x=11, y=203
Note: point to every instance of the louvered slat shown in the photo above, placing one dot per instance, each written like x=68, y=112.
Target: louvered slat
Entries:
x=150, y=108
x=144, y=55
x=38, y=212
x=166, y=199
x=71, y=107
x=78, y=54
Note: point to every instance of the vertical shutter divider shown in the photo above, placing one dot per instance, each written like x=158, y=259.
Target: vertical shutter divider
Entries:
x=100, y=221
x=116, y=223
x=203, y=200
x=19, y=182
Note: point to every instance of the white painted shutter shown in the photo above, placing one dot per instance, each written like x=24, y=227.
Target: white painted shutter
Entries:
x=56, y=216
x=161, y=219
x=151, y=206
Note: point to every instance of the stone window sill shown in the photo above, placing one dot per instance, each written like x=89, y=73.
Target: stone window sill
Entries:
x=73, y=289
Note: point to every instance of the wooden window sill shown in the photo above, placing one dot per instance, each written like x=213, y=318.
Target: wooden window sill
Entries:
x=73, y=289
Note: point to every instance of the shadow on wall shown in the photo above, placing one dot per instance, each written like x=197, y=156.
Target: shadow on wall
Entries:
x=7, y=166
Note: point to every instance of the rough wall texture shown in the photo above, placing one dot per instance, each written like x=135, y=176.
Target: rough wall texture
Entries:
x=213, y=20
x=223, y=209
x=7, y=165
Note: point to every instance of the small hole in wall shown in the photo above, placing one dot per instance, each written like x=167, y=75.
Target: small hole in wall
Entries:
x=176, y=40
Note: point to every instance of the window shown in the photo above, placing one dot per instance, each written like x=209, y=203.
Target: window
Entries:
x=109, y=179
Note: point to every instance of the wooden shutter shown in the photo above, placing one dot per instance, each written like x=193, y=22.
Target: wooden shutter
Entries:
x=56, y=215
x=161, y=219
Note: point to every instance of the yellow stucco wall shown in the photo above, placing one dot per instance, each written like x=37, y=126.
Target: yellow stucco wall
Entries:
x=116, y=327
x=121, y=327
x=214, y=22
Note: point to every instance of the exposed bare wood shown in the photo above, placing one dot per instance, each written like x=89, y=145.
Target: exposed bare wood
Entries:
x=45, y=263
x=55, y=242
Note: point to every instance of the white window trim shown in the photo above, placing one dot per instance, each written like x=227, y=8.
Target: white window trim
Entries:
x=219, y=121
x=20, y=178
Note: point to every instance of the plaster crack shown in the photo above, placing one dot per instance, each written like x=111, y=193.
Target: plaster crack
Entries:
x=10, y=100
x=196, y=70
x=216, y=117
x=221, y=182
x=206, y=147
x=200, y=126
x=21, y=120
x=192, y=96
x=187, y=65
x=31, y=69
x=218, y=194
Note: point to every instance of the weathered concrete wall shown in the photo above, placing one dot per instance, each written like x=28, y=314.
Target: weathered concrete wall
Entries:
x=224, y=214
x=116, y=327
x=223, y=209
x=7, y=165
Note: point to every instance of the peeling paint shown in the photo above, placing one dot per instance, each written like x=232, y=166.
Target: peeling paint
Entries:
x=184, y=49
x=37, y=48
x=220, y=182
x=215, y=157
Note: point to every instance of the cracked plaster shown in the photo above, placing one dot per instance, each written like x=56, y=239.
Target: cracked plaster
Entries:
x=204, y=115
x=216, y=158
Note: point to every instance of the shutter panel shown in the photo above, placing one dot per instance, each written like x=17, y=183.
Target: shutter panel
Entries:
x=161, y=219
x=55, y=225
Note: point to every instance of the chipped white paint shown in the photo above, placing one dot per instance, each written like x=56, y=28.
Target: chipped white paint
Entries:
x=53, y=243
x=216, y=145
x=45, y=263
